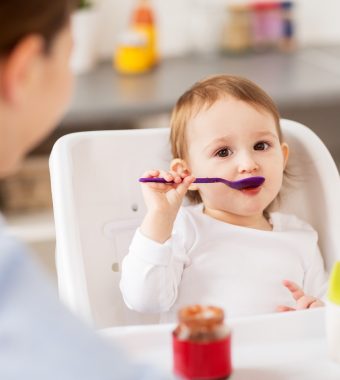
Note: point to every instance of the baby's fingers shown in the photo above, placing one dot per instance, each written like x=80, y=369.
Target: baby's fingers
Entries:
x=185, y=173
x=317, y=303
x=171, y=176
x=151, y=173
x=308, y=302
x=158, y=186
x=295, y=289
x=283, y=308
x=183, y=187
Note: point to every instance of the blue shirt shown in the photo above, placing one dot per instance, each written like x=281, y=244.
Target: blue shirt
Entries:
x=40, y=339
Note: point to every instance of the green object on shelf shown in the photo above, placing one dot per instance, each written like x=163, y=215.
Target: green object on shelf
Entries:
x=84, y=4
x=334, y=284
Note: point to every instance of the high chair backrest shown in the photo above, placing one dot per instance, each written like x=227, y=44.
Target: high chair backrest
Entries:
x=311, y=189
x=98, y=205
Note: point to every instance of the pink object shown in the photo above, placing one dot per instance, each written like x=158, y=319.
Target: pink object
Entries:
x=266, y=23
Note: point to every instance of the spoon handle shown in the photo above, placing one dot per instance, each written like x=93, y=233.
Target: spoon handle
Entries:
x=163, y=180
x=155, y=180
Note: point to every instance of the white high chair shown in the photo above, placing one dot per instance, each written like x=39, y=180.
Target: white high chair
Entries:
x=98, y=204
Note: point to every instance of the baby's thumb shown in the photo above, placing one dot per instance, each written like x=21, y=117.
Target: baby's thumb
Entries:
x=183, y=187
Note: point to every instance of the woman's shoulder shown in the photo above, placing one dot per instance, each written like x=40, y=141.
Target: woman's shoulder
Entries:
x=289, y=222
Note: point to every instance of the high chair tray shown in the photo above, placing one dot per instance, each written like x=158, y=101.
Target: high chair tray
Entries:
x=274, y=346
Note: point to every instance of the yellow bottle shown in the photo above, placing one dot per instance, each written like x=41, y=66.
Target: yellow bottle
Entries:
x=132, y=54
x=333, y=314
x=143, y=21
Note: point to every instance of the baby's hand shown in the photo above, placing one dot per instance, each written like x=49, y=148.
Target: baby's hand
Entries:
x=163, y=202
x=166, y=198
x=303, y=301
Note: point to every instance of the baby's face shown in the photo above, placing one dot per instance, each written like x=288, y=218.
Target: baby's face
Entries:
x=234, y=140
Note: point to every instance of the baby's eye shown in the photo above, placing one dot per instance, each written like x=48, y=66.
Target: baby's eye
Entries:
x=225, y=152
x=262, y=145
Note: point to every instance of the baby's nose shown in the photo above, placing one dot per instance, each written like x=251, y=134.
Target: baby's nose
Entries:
x=247, y=163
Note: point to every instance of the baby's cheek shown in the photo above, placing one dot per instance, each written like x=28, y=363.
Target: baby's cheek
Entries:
x=218, y=195
x=277, y=184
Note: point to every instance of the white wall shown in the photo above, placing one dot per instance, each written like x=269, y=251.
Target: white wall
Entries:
x=318, y=21
x=186, y=25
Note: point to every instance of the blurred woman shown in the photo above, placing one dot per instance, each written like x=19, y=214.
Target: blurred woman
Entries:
x=39, y=338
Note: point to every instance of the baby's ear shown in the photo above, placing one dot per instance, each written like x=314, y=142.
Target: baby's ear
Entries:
x=285, y=153
x=180, y=166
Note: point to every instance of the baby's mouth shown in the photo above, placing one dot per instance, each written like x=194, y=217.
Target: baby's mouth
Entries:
x=251, y=190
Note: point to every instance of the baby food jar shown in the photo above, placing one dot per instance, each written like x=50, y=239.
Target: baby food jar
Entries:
x=201, y=344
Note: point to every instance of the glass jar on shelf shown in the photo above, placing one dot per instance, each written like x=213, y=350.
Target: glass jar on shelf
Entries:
x=266, y=24
x=236, y=33
x=143, y=21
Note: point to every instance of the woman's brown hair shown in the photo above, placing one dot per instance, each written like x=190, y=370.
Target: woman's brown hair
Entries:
x=204, y=94
x=19, y=18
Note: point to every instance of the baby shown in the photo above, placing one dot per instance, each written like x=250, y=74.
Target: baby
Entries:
x=226, y=248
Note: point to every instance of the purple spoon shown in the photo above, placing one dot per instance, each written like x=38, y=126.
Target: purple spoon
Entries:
x=244, y=183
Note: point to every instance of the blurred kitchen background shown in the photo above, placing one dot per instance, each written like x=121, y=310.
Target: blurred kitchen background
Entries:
x=133, y=59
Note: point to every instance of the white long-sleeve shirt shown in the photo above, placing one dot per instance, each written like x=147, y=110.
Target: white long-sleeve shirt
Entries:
x=207, y=261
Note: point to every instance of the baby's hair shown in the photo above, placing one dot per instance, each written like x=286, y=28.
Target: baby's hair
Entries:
x=202, y=95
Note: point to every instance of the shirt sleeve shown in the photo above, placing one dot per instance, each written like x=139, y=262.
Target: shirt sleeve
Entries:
x=152, y=272
x=316, y=277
